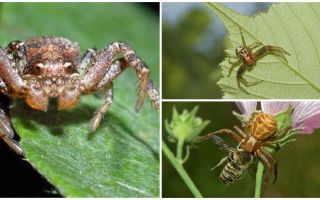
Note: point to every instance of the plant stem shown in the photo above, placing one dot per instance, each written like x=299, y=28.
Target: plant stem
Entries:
x=180, y=150
x=182, y=172
x=259, y=178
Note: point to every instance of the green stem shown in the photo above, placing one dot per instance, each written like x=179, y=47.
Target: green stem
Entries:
x=259, y=178
x=182, y=172
x=180, y=150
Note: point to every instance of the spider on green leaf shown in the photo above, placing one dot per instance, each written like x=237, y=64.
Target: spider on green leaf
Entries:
x=247, y=58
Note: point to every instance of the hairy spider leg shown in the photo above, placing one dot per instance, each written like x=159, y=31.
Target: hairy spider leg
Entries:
x=99, y=113
x=117, y=68
x=9, y=75
x=274, y=50
x=7, y=133
x=105, y=59
x=18, y=49
x=86, y=61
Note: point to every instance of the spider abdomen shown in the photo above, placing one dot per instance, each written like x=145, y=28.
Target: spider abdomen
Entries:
x=263, y=125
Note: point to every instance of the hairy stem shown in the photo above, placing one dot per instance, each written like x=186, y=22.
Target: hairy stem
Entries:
x=182, y=172
x=259, y=179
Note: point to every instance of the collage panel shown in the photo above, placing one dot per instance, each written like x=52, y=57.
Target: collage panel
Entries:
x=240, y=149
x=250, y=50
x=79, y=100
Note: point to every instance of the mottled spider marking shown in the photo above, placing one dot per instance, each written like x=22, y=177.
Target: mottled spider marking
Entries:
x=263, y=125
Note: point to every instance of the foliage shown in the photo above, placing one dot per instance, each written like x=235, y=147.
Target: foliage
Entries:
x=292, y=26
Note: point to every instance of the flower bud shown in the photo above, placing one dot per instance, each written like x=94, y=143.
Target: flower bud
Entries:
x=185, y=126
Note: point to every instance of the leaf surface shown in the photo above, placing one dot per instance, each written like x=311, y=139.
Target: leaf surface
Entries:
x=121, y=159
x=292, y=26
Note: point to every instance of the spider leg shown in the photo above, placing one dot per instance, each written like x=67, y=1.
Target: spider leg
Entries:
x=99, y=113
x=234, y=64
x=106, y=84
x=229, y=132
x=9, y=75
x=240, y=72
x=117, y=68
x=274, y=162
x=240, y=131
x=242, y=38
x=274, y=50
x=255, y=45
x=18, y=49
x=103, y=62
x=268, y=168
x=86, y=61
x=7, y=133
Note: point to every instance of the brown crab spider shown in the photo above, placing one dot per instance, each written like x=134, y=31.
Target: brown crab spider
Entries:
x=47, y=67
x=247, y=58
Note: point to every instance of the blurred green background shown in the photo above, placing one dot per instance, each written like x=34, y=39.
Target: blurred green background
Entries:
x=193, y=46
x=299, y=174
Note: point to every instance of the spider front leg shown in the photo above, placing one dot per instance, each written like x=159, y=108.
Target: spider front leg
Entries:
x=99, y=113
x=229, y=132
x=18, y=50
x=9, y=75
x=273, y=50
x=103, y=62
x=7, y=133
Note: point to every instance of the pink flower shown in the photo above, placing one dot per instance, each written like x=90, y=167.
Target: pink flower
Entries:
x=305, y=116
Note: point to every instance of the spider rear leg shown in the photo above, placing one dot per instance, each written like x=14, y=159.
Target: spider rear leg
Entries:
x=99, y=113
x=7, y=133
x=269, y=163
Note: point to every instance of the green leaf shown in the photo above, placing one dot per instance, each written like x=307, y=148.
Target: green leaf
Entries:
x=121, y=159
x=292, y=26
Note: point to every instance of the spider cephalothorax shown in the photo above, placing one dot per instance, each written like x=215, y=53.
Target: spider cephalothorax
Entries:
x=246, y=57
x=255, y=134
x=42, y=68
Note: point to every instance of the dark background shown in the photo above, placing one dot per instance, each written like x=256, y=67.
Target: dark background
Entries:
x=299, y=163
x=18, y=178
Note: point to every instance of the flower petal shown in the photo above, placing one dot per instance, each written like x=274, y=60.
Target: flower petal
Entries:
x=306, y=116
x=274, y=107
x=247, y=107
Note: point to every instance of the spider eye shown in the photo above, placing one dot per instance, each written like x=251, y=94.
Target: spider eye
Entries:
x=39, y=66
x=68, y=66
